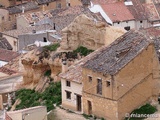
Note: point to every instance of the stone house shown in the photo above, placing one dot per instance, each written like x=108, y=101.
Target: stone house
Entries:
x=8, y=3
x=41, y=37
x=13, y=35
x=4, y=17
x=11, y=83
x=153, y=11
x=53, y=4
x=17, y=10
x=31, y=19
x=138, y=11
x=71, y=82
x=145, y=12
x=6, y=56
x=123, y=79
x=116, y=14
x=72, y=88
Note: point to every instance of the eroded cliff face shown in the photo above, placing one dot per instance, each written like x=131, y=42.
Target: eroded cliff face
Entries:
x=37, y=62
x=87, y=32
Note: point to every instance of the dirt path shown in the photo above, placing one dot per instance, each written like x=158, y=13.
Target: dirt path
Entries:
x=60, y=114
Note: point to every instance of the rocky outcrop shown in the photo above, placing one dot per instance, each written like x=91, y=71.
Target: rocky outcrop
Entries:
x=37, y=62
x=87, y=32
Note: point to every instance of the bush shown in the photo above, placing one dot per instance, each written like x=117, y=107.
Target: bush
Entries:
x=82, y=50
x=145, y=109
x=31, y=98
x=47, y=73
x=86, y=116
x=52, y=47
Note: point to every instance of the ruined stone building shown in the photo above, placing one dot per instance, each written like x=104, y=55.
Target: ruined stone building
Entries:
x=113, y=80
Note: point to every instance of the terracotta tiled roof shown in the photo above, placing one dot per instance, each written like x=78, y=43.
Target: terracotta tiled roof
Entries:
x=137, y=10
x=117, y=12
x=18, y=8
x=4, y=44
x=151, y=12
x=7, y=71
x=118, y=54
x=152, y=32
x=7, y=55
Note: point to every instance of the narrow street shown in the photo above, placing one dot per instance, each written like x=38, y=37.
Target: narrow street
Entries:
x=60, y=114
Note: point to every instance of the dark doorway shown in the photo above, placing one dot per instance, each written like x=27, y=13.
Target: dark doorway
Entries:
x=127, y=28
x=44, y=39
x=79, y=103
x=89, y=107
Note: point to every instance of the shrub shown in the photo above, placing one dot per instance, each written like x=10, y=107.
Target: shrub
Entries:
x=47, y=73
x=82, y=50
x=52, y=47
x=145, y=109
x=31, y=98
x=86, y=116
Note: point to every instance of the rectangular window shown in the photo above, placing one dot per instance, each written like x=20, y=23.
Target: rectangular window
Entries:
x=68, y=95
x=90, y=78
x=3, y=18
x=68, y=83
x=15, y=43
x=99, y=86
x=108, y=83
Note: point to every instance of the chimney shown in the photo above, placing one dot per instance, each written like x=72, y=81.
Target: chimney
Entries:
x=23, y=8
x=64, y=65
x=43, y=8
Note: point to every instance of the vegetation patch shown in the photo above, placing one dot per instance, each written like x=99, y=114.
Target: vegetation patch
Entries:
x=47, y=73
x=140, y=113
x=87, y=116
x=83, y=51
x=31, y=98
x=52, y=47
